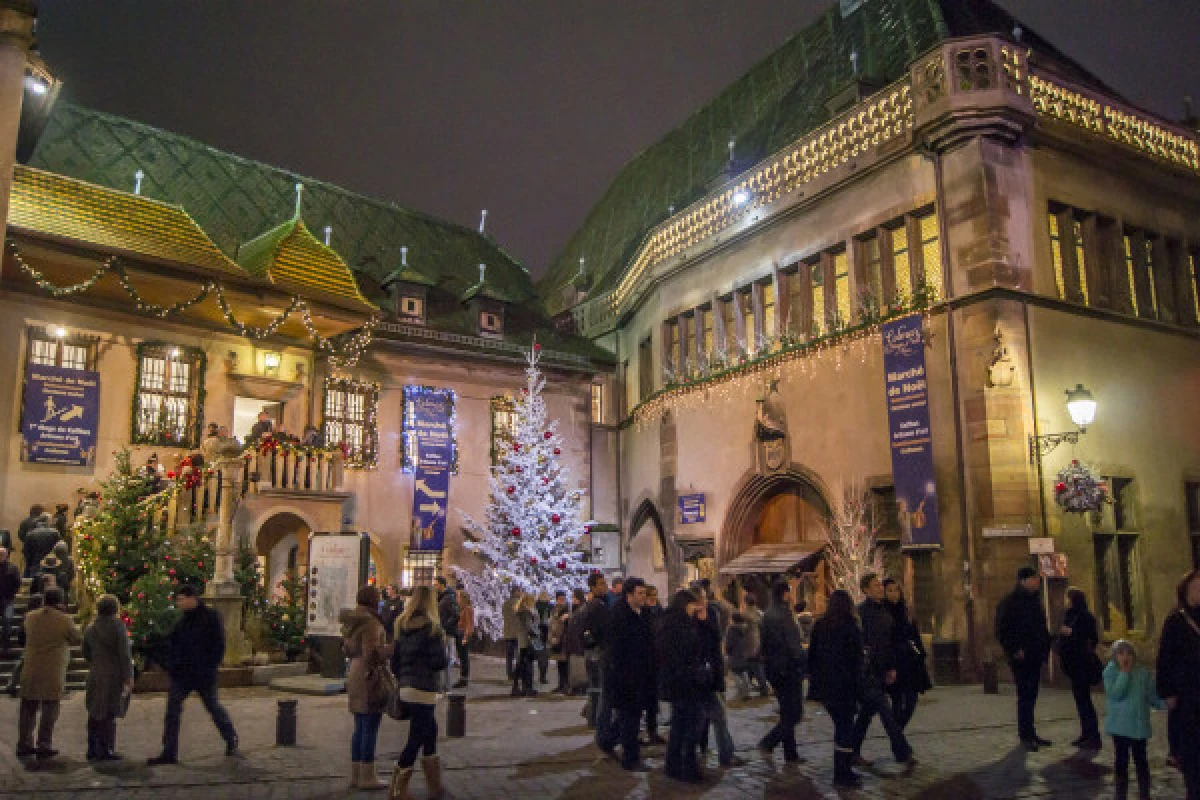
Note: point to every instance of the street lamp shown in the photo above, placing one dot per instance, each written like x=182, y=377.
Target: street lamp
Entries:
x=1082, y=408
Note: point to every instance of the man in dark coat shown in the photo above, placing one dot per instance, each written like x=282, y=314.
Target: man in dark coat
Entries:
x=448, y=616
x=10, y=584
x=594, y=624
x=196, y=645
x=1021, y=631
x=39, y=543
x=880, y=672
x=713, y=707
x=264, y=426
x=653, y=611
x=784, y=662
x=28, y=524
x=629, y=672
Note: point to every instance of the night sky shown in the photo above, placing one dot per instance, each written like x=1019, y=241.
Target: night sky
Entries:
x=525, y=107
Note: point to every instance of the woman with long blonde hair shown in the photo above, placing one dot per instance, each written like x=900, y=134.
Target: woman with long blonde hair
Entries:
x=419, y=663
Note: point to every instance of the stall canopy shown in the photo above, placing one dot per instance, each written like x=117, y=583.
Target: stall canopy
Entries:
x=772, y=559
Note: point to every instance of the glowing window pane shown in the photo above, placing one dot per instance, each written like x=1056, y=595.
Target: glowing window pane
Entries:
x=768, y=300
x=901, y=263
x=44, y=352
x=841, y=285
x=1129, y=274
x=931, y=255
x=818, y=299
x=1056, y=256
x=1150, y=277
x=709, y=340
x=74, y=356
x=1195, y=287
x=1080, y=262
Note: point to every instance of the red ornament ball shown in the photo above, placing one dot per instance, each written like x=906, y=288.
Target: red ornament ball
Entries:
x=170, y=476
x=518, y=470
x=588, y=529
x=556, y=519
x=557, y=452
x=533, y=560
x=1060, y=487
x=141, y=595
x=170, y=572
x=562, y=565
x=537, y=348
x=545, y=481
x=548, y=434
x=516, y=447
x=516, y=532
x=511, y=489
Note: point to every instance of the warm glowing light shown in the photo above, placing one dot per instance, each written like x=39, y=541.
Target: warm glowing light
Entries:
x=1081, y=406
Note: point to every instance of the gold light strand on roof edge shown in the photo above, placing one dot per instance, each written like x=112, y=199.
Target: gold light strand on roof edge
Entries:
x=344, y=352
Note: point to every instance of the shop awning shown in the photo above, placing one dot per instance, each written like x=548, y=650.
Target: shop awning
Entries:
x=770, y=558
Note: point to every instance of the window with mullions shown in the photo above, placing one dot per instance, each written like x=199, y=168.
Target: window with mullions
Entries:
x=598, y=404
x=709, y=340
x=349, y=420
x=421, y=568
x=841, y=285
x=871, y=293
x=1148, y=247
x=1130, y=273
x=819, y=323
x=1119, y=600
x=68, y=352
x=168, y=398
x=768, y=310
x=504, y=426
x=931, y=256
x=902, y=265
x=1067, y=255
x=746, y=299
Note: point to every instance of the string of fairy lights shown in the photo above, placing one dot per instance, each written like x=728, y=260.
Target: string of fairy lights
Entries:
x=343, y=351
x=795, y=360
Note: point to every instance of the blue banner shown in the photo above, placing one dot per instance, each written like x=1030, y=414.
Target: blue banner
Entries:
x=691, y=509
x=909, y=431
x=428, y=418
x=59, y=416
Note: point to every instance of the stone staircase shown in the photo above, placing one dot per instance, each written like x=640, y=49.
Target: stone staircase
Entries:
x=77, y=669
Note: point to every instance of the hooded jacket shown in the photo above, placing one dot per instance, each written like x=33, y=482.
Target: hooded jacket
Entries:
x=364, y=641
x=420, y=655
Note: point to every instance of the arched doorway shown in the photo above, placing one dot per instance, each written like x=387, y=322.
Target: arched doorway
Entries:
x=775, y=522
x=647, y=555
x=282, y=544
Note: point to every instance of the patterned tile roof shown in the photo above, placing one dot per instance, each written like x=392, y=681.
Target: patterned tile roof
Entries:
x=291, y=257
x=777, y=101
x=54, y=205
x=235, y=199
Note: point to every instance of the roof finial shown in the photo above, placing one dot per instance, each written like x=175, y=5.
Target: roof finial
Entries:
x=299, y=196
x=404, y=256
x=854, y=61
x=482, y=272
x=137, y=181
x=1018, y=32
x=732, y=144
x=482, y=220
x=328, y=234
x=670, y=208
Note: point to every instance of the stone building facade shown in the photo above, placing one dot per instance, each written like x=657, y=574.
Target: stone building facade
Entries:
x=1044, y=228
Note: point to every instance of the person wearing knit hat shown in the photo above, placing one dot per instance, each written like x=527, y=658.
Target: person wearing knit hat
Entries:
x=1021, y=630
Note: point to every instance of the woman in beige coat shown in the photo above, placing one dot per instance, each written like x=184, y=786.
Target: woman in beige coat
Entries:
x=364, y=641
x=110, y=677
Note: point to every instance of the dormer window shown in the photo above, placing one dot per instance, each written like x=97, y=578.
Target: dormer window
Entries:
x=491, y=323
x=409, y=290
x=411, y=309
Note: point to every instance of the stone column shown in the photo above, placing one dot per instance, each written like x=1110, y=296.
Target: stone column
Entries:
x=224, y=593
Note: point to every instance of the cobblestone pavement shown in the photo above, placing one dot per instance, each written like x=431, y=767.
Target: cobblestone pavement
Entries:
x=540, y=748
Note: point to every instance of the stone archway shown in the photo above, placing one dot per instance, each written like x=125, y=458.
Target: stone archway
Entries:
x=648, y=544
x=277, y=538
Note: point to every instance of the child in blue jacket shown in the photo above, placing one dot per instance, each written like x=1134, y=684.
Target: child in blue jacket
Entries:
x=1130, y=691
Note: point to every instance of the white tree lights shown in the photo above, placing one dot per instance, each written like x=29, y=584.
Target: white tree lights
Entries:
x=533, y=525
x=851, y=539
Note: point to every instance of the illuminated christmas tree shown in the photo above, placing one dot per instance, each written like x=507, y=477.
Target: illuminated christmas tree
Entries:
x=533, y=527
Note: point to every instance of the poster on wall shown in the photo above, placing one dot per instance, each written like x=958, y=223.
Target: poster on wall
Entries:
x=909, y=431
x=59, y=416
x=691, y=509
x=336, y=567
x=428, y=418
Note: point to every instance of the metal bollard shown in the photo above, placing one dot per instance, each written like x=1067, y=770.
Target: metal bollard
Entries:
x=456, y=715
x=285, y=724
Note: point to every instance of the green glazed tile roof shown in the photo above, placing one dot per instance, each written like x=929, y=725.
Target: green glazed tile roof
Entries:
x=45, y=203
x=777, y=101
x=234, y=199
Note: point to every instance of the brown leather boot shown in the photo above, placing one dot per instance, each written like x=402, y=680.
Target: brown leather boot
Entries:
x=354, y=770
x=398, y=789
x=432, y=767
x=367, y=780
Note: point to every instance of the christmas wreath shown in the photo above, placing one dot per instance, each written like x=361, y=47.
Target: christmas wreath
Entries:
x=1078, y=490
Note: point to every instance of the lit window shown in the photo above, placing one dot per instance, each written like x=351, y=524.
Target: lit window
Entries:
x=673, y=359
x=1056, y=256
x=1080, y=261
x=504, y=425
x=841, y=285
x=818, y=299
x=747, y=301
x=350, y=419
x=709, y=338
x=1149, y=245
x=46, y=350
x=727, y=315
x=873, y=272
x=597, y=403
x=1133, y=299
x=412, y=310
x=420, y=568
x=901, y=264
x=168, y=387
x=490, y=324
x=768, y=305
x=931, y=256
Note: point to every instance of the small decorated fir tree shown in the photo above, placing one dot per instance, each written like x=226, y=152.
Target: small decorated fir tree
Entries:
x=533, y=527
x=851, y=542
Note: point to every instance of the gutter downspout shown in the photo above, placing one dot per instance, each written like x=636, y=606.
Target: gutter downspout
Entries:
x=967, y=542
